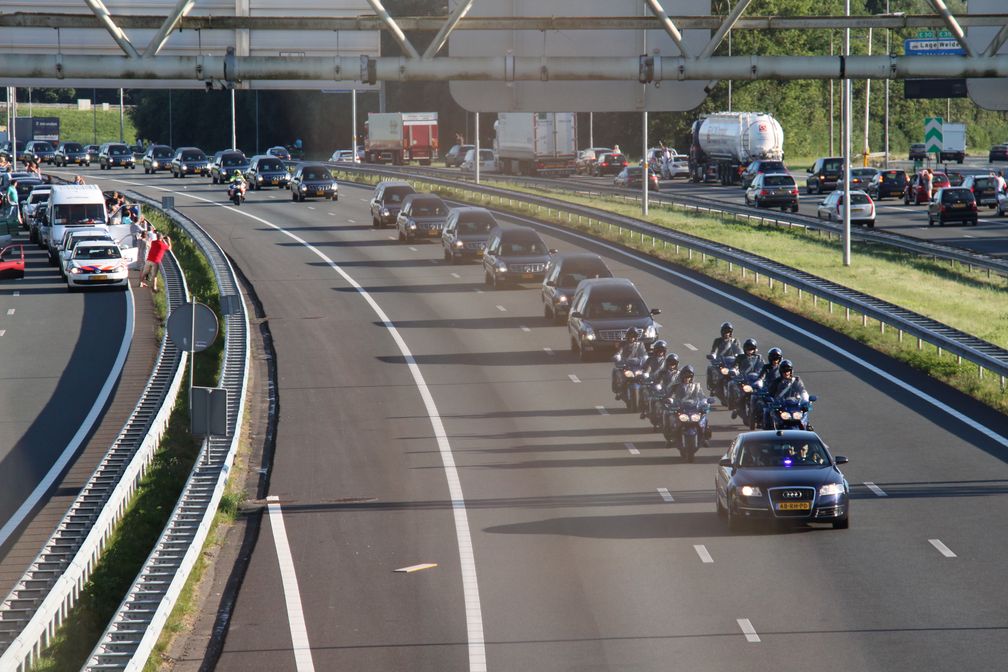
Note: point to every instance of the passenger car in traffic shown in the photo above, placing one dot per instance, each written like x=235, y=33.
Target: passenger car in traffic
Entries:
x=157, y=157
x=12, y=262
x=421, y=216
x=488, y=161
x=514, y=254
x=952, y=204
x=71, y=153
x=609, y=163
x=601, y=312
x=386, y=201
x=279, y=152
x=189, y=161
x=11, y=152
x=862, y=208
x=787, y=476
x=761, y=167
x=456, y=154
x=563, y=274
x=890, y=182
x=114, y=154
x=773, y=190
x=630, y=177
x=224, y=165
x=92, y=152
x=998, y=153
x=824, y=175
x=266, y=171
x=918, y=152
x=39, y=151
x=862, y=177
x=343, y=156
x=37, y=198
x=984, y=188
x=584, y=163
x=97, y=264
x=313, y=180
x=1002, y=203
x=916, y=192
x=465, y=233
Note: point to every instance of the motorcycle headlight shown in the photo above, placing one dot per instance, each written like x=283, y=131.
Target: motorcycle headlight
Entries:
x=304, y=188
x=384, y=212
x=459, y=243
x=724, y=370
x=627, y=373
x=751, y=491
x=412, y=225
x=785, y=415
x=695, y=417
x=259, y=178
x=637, y=372
x=154, y=164
x=747, y=388
x=831, y=489
x=561, y=299
x=657, y=386
x=647, y=374
x=796, y=415
x=650, y=332
x=683, y=417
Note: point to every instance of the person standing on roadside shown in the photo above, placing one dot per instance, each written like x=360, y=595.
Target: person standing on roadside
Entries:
x=143, y=246
x=928, y=183
x=152, y=269
x=12, y=200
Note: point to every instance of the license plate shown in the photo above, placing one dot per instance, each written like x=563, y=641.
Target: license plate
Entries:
x=320, y=192
x=794, y=506
x=433, y=232
x=99, y=276
x=275, y=180
x=528, y=276
x=958, y=205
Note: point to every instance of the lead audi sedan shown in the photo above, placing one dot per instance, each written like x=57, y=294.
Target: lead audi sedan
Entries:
x=783, y=476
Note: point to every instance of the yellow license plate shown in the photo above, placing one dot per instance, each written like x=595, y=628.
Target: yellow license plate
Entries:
x=794, y=506
x=528, y=276
x=433, y=232
x=958, y=205
x=275, y=180
x=100, y=276
x=320, y=192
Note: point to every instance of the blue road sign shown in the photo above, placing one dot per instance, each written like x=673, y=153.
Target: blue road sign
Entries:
x=937, y=46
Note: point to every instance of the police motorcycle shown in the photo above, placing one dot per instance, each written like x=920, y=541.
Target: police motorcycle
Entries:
x=789, y=413
x=686, y=426
x=725, y=372
x=236, y=191
x=628, y=365
x=745, y=390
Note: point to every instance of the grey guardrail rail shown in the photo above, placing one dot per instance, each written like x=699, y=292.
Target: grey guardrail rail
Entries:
x=134, y=630
x=701, y=204
x=48, y=590
x=985, y=355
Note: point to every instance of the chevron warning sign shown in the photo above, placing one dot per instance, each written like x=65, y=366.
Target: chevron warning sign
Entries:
x=933, y=134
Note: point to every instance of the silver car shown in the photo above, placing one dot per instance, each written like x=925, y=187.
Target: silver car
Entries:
x=862, y=208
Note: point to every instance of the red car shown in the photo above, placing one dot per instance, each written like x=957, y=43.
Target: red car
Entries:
x=12, y=262
x=916, y=193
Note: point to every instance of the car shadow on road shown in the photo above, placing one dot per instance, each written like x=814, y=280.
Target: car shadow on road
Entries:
x=444, y=288
x=517, y=322
x=665, y=525
x=521, y=358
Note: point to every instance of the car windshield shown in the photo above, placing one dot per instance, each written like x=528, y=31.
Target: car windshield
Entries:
x=574, y=272
x=771, y=166
x=616, y=305
x=315, y=174
x=117, y=150
x=72, y=147
x=939, y=180
x=521, y=245
x=782, y=452
x=97, y=252
x=475, y=223
x=832, y=165
x=272, y=165
x=232, y=161
x=428, y=208
x=193, y=156
x=957, y=196
x=39, y=196
x=778, y=181
x=864, y=172
x=74, y=240
x=396, y=194
x=162, y=153
x=78, y=212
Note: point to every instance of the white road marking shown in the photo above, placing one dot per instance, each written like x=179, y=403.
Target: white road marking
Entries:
x=602, y=410
x=416, y=568
x=85, y=427
x=332, y=214
x=16, y=293
x=292, y=595
x=705, y=556
x=478, y=291
x=456, y=276
x=412, y=249
x=748, y=630
x=665, y=494
x=525, y=329
x=942, y=548
x=573, y=378
x=2, y=332
x=548, y=351
x=10, y=311
x=364, y=200
x=467, y=559
x=879, y=492
x=271, y=196
x=501, y=308
x=349, y=221
x=311, y=207
x=391, y=237
x=690, y=346
x=632, y=448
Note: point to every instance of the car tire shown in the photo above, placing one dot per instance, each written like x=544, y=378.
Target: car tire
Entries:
x=842, y=524
x=721, y=511
x=871, y=224
x=735, y=523
x=973, y=223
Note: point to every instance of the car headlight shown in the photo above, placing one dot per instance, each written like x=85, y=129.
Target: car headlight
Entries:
x=796, y=415
x=628, y=373
x=695, y=417
x=304, y=187
x=650, y=332
x=412, y=225
x=459, y=244
x=74, y=270
x=747, y=388
x=501, y=268
x=751, y=491
x=831, y=489
x=154, y=164
x=590, y=336
x=259, y=178
x=562, y=298
x=384, y=212
x=683, y=417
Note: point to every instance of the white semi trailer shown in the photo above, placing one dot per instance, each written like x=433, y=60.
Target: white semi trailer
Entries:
x=723, y=144
x=536, y=143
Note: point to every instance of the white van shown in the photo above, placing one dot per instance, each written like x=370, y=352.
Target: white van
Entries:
x=72, y=205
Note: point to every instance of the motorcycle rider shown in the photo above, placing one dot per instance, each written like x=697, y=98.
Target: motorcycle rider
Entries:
x=238, y=180
x=768, y=374
x=689, y=391
x=664, y=384
x=630, y=347
x=652, y=365
x=788, y=385
x=750, y=361
x=722, y=346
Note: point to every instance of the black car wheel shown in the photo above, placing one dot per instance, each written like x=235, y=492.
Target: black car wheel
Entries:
x=973, y=223
x=842, y=524
x=721, y=511
x=735, y=522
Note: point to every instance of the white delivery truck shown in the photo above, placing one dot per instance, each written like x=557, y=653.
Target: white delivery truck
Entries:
x=536, y=143
x=72, y=205
x=953, y=143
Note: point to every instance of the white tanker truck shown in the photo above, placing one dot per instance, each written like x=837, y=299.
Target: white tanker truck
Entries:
x=723, y=144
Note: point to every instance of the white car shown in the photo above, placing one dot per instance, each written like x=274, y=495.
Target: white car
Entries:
x=97, y=264
x=1002, y=203
x=343, y=156
x=38, y=197
x=862, y=208
x=488, y=161
x=74, y=237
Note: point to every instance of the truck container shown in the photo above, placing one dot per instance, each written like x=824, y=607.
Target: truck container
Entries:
x=953, y=143
x=536, y=143
x=400, y=137
x=723, y=144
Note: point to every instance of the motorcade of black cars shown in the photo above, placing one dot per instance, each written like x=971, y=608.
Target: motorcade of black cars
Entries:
x=387, y=200
x=514, y=254
x=266, y=171
x=114, y=154
x=189, y=161
x=157, y=157
x=312, y=180
x=465, y=233
x=71, y=153
x=563, y=274
x=601, y=312
x=421, y=216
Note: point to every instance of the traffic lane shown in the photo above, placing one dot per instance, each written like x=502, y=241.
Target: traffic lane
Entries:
x=58, y=349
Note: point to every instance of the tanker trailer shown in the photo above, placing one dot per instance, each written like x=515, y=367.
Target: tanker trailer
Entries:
x=723, y=144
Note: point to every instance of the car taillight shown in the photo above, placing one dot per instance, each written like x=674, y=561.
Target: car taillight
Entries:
x=605, y=163
x=764, y=192
x=973, y=205
x=794, y=192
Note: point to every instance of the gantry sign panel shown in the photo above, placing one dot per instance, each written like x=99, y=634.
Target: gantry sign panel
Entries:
x=567, y=96
x=97, y=41
x=991, y=94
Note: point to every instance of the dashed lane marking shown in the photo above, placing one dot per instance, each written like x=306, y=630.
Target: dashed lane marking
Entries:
x=573, y=378
x=311, y=207
x=17, y=293
x=2, y=332
x=602, y=410
x=631, y=448
x=412, y=249
x=665, y=494
x=456, y=276
x=416, y=568
x=748, y=630
x=942, y=548
x=349, y=221
x=10, y=311
x=690, y=346
x=705, y=556
x=501, y=308
x=525, y=329
x=879, y=492
x=549, y=351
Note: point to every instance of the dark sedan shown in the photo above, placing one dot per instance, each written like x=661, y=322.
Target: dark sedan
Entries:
x=265, y=171
x=984, y=188
x=71, y=153
x=630, y=177
x=953, y=204
x=609, y=163
x=998, y=153
x=157, y=157
x=189, y=161
x=761, y=167
x=39, y=151
x=786, y=476
x=563, y=274
x=887, y=183
x=387, y=200
x=465, y=233
x=514, y=254
x=421, y=215
x=312, y=180
x=601, y=312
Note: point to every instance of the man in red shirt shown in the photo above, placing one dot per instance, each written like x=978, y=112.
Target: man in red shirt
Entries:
x=152, y=268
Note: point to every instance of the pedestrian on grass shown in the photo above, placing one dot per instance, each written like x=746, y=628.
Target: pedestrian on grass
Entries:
x=152, y=269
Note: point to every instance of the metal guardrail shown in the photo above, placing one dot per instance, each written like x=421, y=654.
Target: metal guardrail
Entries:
x=48, y=590
x=985, y=355
x=134, y=630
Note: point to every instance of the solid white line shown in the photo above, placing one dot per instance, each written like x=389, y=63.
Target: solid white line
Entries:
x=292, y=595
x=16, y=293
x=602, y=410
x=690, y=346
x=467, y=559
x=82, y=432
x=784, y=323
x=879, y=492
x=456, y=275
x=942, y=548
x=10, y=311
x=525, y=329
x=665, y=494
x=632, y=448
x=548, y=351
x=705, y=556
x=748, y=630
x=573, y=378
x=501, y=308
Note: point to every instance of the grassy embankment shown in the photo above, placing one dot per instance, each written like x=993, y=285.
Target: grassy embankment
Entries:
x=952, y=294
x=80, y=126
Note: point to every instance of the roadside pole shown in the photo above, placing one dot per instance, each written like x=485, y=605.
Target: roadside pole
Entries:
x=122, y=119
x=644, y=168
x=476, y=156
x=846, y=106
x=234, y=130
x=353, y=124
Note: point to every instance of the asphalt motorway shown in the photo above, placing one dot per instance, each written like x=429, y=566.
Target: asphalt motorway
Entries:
x=594, y=547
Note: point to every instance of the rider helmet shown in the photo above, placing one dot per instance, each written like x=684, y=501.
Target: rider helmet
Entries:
x=659, y=347
x=236, y=174
x=727, y=329
x=672, y=361
x=686, y=375
x=786, y=366
x=750, y=346
x=775, y=355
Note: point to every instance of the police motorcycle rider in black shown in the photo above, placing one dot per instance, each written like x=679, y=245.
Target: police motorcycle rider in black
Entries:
x=726, y=344
x=750, y=361
x=664, y=387
x=688, y=390
x=652, y=365
x=768, y=374
x=788, y=385
x=631, y=347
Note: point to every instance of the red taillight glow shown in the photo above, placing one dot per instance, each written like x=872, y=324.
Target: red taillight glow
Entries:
x=794, y=192
x=764, y=192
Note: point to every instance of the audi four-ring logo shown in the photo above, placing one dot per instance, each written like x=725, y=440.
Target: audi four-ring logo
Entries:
x=792, y=494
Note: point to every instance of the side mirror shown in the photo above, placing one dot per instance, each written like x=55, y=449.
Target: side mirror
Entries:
x=724, y=462
x=840, y=459
x=812, y=397
x=822, y=202
x=656, y=311
x=550, y=283
x=553, y=251
x=577, y=314
x=808, y=170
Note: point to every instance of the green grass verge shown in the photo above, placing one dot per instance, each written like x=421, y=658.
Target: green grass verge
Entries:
x=79, y=126
x=158, y=493
x=947, y=293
